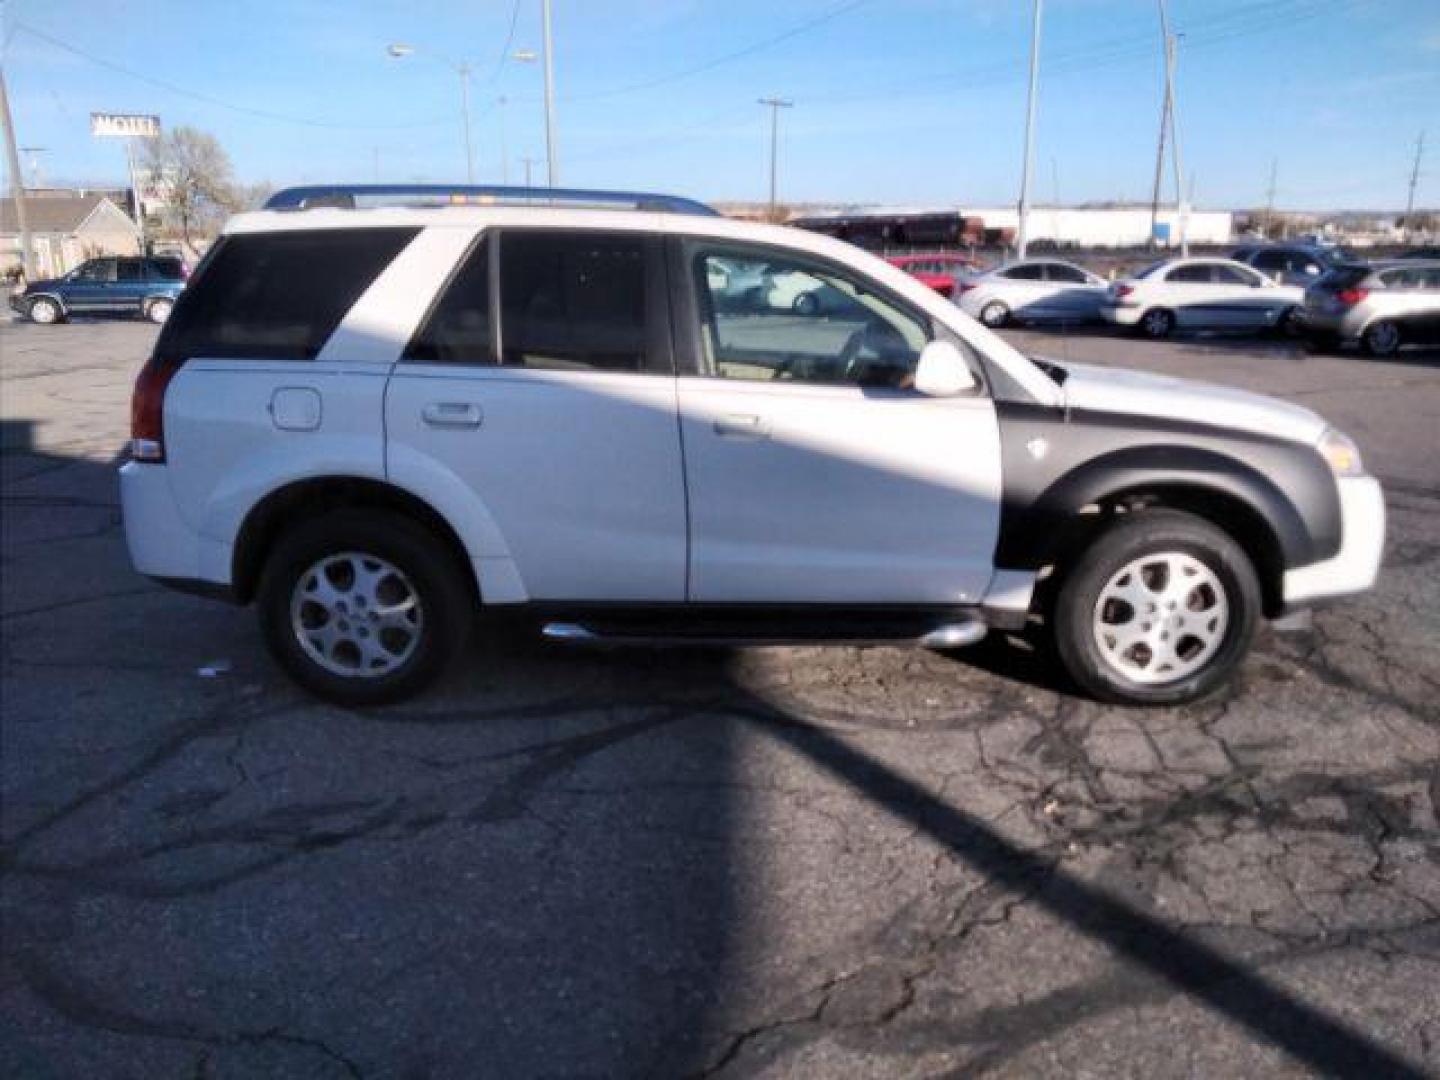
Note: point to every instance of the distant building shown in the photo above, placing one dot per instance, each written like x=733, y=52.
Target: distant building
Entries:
x=65, y=230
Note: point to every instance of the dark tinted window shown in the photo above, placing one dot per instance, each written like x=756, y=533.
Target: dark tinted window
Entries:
x=130, y=270
x=276, y=295
x=1230, y=275
x=1270, y=261
x=1060, y=272
x=574, y=301
x=1032, y=272
x=458, y=329
x=167, y=267
x=1190, y=275
x=97, y=270
x=1345, y=277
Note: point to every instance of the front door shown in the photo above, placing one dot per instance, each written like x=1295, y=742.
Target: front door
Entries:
x=815, y=473
x=542, y=384
x=91, y=286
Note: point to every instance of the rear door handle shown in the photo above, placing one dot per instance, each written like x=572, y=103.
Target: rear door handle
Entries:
x=742, y=426
x=458, y=414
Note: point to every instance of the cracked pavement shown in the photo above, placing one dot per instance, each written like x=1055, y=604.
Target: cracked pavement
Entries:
x=787, y=861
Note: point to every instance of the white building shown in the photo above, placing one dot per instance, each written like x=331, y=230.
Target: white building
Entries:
x=1121, y=227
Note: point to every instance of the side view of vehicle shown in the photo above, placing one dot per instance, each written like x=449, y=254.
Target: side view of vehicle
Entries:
x=1033, y=290
x=123, y=284
x=1202, y=294
x=377, y=421
x=939, y=270
x=1381, y=307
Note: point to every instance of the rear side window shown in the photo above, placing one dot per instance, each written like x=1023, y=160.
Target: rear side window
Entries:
x=1231, y=275
x=276, y=295
x=575, y=302
x=1031, y=272
x=1193, y=274
x=130, y=270
x=458, y=328
x=1061, y=272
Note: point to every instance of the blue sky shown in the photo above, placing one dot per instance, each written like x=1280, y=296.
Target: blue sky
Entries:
x=897, y=101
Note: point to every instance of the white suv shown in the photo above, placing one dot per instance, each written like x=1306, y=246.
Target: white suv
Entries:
x=375, y=421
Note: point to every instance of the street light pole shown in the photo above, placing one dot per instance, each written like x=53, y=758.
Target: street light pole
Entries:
x=552, y=170
x=464, y=71
x=1022, y=238
x=775, y=105
x=17, y=183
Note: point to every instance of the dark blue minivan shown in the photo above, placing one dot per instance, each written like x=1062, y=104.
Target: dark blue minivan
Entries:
x=122, y=284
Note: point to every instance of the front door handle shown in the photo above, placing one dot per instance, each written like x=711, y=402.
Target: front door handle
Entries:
x=742, y=426
x=458, y=414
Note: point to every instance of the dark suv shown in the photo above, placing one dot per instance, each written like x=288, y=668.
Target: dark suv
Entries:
x=126, y=284
x=1291, y=264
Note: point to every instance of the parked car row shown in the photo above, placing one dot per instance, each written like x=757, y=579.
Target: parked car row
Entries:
x=1320, y=293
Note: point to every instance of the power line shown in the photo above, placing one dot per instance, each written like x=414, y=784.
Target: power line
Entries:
x=509, y=40
x=207, y=99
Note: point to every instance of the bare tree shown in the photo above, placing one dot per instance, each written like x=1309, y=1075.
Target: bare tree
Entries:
x=192, y=172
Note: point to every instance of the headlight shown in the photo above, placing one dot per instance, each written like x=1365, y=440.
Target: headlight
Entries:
x=1341, y=453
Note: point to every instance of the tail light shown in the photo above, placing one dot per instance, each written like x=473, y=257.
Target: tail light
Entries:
x=1350, y=297
x=147, y=410
x=1122, y=291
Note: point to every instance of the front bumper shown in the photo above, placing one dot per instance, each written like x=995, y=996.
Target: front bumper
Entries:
x=1355, y=566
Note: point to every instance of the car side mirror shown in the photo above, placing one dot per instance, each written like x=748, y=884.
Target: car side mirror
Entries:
x=942, y=371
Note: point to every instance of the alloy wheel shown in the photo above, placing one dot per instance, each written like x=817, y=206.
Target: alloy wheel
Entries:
x=1161, y=618
x=356, y=615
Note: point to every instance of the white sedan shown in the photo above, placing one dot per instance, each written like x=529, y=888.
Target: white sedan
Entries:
x=1202, y=294
x=1034, y=290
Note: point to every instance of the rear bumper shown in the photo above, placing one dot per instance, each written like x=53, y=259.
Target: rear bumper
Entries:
x=1355, y=566
x=1121, y=314
x=162, y=545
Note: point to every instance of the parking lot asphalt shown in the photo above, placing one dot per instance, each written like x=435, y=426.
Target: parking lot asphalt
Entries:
x=833, y=862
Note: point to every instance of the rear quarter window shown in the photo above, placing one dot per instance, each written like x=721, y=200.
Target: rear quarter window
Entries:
x=276, y=295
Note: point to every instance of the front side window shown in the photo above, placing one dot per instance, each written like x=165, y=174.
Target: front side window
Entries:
x=276, y=295
x=778, y=318
x=96, y=270
x=1270, y=261
x=131, y=270
x=1233, y=275
x=576, y=301
x=1029, y=272
x=1070, y=275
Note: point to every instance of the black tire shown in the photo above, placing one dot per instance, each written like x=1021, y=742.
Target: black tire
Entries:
x=995, y=315
x=1131, y=537
x=1290, y=323
x=1382, y=339
x=1157, y=323
x=50, y=312
x=442, y=585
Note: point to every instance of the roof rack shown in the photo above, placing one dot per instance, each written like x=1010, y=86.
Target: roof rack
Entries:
x=349, y=196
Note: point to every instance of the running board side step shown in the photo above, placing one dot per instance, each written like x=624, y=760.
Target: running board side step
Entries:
x=951, y=635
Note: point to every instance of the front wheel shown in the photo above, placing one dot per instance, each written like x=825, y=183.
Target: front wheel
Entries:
x=364, y=607
x=1159, y=610
x=157, y=311
x=45, y=311
x=995, y=314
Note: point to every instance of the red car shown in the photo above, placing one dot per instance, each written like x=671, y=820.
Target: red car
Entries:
x=938, y=270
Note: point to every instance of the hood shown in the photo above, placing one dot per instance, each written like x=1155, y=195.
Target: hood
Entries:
x=43, y=285
x=1140, y=394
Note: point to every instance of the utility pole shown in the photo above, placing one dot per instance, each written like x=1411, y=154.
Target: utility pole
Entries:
x=464, y=72
x=504, y=149
x=1270, y=197
x=528, y=161
x=34, y=152
x=1159, y=164
x=1414, y=180
x=17, y=183
x=1022, y=239
x=775, y=104
x=552, y=171
x=1181, y=211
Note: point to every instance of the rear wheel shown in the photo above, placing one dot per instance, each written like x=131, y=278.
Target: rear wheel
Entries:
x=1159, y=610
x=994, y=314
x=1290, y=323
x=1382, y=339
x=45, y=311
x=1157, y=323
x=364, y=607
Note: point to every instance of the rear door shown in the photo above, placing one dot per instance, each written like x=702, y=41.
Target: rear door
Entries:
x=1026, y=292
x=815, y=473
x=131, y=284
x=542, y=384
